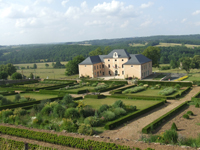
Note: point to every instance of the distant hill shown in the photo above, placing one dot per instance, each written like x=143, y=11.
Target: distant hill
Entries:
x=172, y=47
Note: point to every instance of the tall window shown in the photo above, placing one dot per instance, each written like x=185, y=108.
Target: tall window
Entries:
x=122, y=72
x=115, y=65
x=122, y=59
x=108, y=65
x=122, y=66
x=94, y=67
x=103, y=66
x=108, y=72
x=115, y=59
x=97, y=67
x=108, y=59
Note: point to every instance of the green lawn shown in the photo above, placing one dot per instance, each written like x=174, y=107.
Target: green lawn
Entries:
x=96, y=103
x=32, y=95
x=152, y=92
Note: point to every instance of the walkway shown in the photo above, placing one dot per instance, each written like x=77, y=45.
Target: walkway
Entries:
x=134, y=128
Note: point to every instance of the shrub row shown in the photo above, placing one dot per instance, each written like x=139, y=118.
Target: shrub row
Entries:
x=181, y=78
x=63, y=140
x=11, y=144
x=54, y=86
x=165, y=117
x=111, y=88
x=51, y=92
x=134, y=89
x=138, y=97
x=167, y=91
x=106, y=82
x=97, y=96
x=23, y=104
x=124, y=119
x=119, y=91
x=166, y=83
x=20, y=83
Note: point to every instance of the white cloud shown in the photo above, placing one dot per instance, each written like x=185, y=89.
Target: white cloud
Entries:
x=146, y=5
x=114, y=9
x=185, y=19
x=125, y=24
x=146, y=23
x=196, y=12
x=26, y=23
x=197, y=23
x=37, y=2
x=84, y=5
x=73, y=12
x=63, y=3
x=94, y=23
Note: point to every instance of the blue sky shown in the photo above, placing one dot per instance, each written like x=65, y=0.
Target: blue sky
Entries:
x=46, y=21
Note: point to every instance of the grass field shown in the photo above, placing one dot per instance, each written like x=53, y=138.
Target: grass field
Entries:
x=175, y=44
x=137, y=44
x=32, y=95
x=96, y=103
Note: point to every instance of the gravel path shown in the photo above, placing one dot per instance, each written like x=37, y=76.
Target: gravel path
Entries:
x=133, y=129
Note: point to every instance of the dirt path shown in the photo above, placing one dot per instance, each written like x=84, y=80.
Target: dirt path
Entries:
x=134, y=128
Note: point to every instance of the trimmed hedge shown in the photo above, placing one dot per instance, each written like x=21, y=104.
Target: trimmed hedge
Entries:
x=21, y=83
x=111, y=88
x=23, y=104
x=124, y=119
x=195, y=98
x=106, y=82
x=95, y=96
x=68, y=141
x=166, y=83
x=164, y=118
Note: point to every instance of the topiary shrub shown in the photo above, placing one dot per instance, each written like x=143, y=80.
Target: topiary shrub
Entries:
x=174, y=127
x=118, y=103
x=119, y=111
x=197, y=105
x=103, y=108
x=186, y=116
x=85, y=129
x=190, y=113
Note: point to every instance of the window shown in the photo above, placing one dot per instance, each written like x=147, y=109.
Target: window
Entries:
x=109, y=72
x=102, y=66
x=94, y=67
x=142, y=67
x=103, y=73
x=94, y=73
x=131, y=65
x=108, y=59
x=115, y=65
x=122, y=66
x=115, y=59
x=100, y=72
x=85, y=65
x=142, y=74
x=122, y=72
x=122, y=59
x=97, y=67
x=108, y=65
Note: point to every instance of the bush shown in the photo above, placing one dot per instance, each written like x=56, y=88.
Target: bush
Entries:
x=186, y=116
x=103, y=108
x=141, y=84
x=69, y=125
x=197, y=105
x=88, y=111
x=85, y=129
x=67, y=99
x=95, y=84
x=190, y=113
x=58, y=111
x=16, y=75
x=71, y=113
x=165, y=68
x=167, y=91
x=108, y=115
x=177, y=86
x=118, y=103
x=174, y=127
x=93, y=121
x=170, y=137
x=17, y=98
x=19, y=111
x=46, y=110
x=119, y=111
x=134, y=90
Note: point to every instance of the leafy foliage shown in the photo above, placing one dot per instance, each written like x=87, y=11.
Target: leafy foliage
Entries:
x=16, y=75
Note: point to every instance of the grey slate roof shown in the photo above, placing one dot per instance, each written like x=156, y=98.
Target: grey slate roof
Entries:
x=122, y=53
x=93, y=60
x=137, y=59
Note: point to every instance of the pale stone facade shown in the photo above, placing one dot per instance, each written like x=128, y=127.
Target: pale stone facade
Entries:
x=116, y=63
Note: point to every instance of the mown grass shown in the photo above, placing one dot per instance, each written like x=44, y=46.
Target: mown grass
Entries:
x=32, y=95
x=96, y=103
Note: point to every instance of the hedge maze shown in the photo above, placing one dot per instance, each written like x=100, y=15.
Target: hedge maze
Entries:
x=64, y=112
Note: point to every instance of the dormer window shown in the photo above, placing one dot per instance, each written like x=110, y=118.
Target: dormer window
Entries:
x=122, y=59
x=115, y=55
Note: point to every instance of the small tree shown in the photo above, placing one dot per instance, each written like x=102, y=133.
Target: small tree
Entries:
x=31, y=75
x=16, y=75
x=3, y=75
x=46, y=65
x=174, y=127
x=71, y=113
x=34, y=66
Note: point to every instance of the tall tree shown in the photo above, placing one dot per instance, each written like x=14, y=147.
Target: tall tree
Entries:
x=16, y=75
x=186, y=64
x=106, y=50
x=34, y=66
x=3, y=75
x=95, y=52
x=153, y=53
x=8, y=68
x=72, y=65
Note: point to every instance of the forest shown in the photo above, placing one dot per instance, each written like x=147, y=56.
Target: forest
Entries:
x=66, y=51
